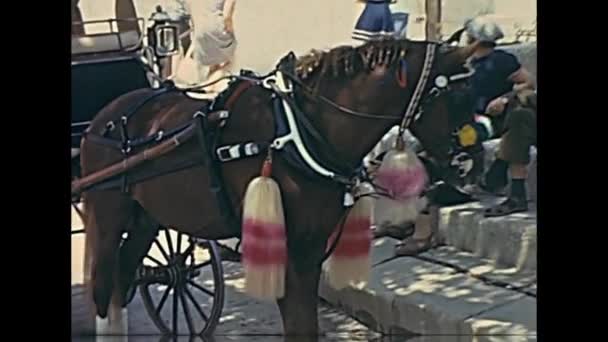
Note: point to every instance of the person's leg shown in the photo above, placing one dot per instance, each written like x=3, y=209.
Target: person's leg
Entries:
x=216, y=68
x=515, y=151
x=519, y=174
x=216, y=72
x=496, y=178
x=470, y=138
x=423, y=238
x=213, y=69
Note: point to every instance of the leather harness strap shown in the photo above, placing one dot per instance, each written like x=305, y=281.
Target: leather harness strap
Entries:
x=237, y=93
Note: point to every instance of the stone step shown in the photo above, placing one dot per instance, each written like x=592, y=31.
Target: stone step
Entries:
x=510, y=241
x=444, y=295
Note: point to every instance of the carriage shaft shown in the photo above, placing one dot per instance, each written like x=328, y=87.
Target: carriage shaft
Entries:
x=126, y=164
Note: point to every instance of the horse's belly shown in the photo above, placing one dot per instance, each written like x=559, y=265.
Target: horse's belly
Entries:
x=183, y=201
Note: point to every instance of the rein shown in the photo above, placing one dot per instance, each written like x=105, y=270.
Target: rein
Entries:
x=281, y=83
x=412, y=104
x=334, y=243
x=194, y=88
x=341, y=108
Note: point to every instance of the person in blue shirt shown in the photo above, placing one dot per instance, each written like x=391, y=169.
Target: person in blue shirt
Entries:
x=498, y=78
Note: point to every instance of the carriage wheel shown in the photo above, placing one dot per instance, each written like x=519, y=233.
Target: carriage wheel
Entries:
x=172, y=286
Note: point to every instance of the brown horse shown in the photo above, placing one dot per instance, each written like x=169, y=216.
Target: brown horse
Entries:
x=377, y=78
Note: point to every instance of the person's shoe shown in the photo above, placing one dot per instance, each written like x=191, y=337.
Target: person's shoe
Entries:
x=509, y=206
x=444, y=194
x=413, y=246
x=397, y=232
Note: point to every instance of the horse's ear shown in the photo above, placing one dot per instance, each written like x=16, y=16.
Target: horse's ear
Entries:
x=466, y=51
x=460, y=55
x=288, y=62
x=455, y=37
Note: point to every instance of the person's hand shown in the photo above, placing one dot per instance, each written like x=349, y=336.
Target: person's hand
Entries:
x=229, y=25
x=497, y=106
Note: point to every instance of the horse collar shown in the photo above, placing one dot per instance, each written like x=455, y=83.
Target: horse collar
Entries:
x=280, y=86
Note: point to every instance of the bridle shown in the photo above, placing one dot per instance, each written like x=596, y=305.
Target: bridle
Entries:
x=295, y=131
x=289, y=113
x=416, y=103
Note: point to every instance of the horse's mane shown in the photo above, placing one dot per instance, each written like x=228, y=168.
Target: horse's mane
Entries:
x=348, y=60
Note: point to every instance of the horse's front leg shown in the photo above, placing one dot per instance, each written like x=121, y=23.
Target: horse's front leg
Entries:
x=299, y=305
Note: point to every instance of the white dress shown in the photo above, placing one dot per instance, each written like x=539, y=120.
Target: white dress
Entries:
x=213, y=45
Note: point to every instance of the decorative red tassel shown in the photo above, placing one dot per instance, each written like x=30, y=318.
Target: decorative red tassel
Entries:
x=404, y=177
x=350, y=262
x=264, y=239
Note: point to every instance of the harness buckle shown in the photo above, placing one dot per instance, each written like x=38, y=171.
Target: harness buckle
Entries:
x=223, y=153
x=199, y=113
x=231, y=152
x=224, y=114
x=434, y=92
x=349, y=199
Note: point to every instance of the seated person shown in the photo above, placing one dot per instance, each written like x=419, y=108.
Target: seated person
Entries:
x=518, y=133
x=499, y=75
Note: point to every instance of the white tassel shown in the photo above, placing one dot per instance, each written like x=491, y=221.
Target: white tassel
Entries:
x=350, y=263
x=264, y=238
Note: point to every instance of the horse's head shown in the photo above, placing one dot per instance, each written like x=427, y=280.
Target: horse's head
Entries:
x=372, y=86
x=446, y=105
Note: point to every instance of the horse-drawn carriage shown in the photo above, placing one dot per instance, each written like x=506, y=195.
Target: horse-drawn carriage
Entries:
x=153, y=156
x=127, y=54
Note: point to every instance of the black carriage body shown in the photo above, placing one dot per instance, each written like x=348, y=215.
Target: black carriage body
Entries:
x=98, y=81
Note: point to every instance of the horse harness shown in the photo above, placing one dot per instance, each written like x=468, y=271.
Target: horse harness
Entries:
x=294, y=133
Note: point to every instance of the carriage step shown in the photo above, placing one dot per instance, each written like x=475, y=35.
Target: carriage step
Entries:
x=441, y=292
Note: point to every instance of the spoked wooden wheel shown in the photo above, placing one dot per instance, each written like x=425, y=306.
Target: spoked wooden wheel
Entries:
x=181, y=283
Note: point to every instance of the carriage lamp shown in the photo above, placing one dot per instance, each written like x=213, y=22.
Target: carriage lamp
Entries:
x=163, y=33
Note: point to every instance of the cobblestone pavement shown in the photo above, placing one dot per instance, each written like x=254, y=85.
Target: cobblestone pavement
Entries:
x=243, y=318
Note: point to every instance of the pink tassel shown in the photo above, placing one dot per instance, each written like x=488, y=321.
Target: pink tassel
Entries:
x=401, y=174
x=350, y=263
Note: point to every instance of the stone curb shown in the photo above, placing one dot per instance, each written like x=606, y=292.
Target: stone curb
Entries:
x=407, y=296
x=510, y=240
